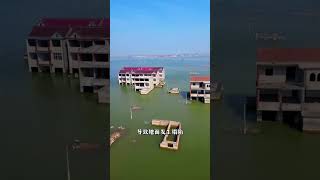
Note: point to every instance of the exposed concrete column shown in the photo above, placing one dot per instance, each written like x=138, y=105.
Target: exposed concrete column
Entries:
x=303, y=91
x=279, y=116
x=259, y=116
x=81, y=89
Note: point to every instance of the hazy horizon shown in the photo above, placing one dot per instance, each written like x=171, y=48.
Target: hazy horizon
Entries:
x=159, y=27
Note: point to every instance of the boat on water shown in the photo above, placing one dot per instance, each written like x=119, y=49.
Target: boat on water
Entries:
x=174, y=91
x=135, y=107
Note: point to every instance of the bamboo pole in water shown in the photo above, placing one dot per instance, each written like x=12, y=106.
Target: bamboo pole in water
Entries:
x=68, y=165
x=244, y=119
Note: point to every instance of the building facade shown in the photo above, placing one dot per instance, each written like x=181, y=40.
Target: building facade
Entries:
x=143, y=79
x=288, y=86
x=75, y=46
x=200, y=88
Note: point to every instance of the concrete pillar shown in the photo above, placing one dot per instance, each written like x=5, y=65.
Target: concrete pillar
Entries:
x=81, y=89
x=279, y=116
x=259, y=116
x=52, y=70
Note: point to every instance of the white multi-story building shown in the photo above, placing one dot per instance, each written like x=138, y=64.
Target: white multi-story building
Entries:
x=143, y=79
x=75, y=46
x=288, y=86
x=200, y=88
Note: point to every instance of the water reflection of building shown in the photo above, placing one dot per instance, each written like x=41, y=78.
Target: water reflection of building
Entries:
x=288, y=86
x=75, y=46
x=200, y=88
x=143, y=79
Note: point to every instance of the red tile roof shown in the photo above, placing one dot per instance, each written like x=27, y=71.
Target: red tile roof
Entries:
x=85, y=28
x=288, y=55
x=38, y=31
x=63, y=22
x=140, y=69
x=91, y=32
x=200, y=78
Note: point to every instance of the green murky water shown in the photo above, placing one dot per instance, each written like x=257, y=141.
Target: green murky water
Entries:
x=137, y=156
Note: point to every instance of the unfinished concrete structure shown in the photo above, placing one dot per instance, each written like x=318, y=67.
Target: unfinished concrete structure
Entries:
x=200, y=88
x=170, y=141
x=75, y=46
x=143, y=79
x=288, y=86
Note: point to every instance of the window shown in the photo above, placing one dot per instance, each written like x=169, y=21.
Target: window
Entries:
x=154, y=79
x=74, y=56
x=312, y=77
x=57, y=56
x=56, y=43
x=99, y=42
x=269, y=71
x=318, y=77
x=193, y=84
x=32, y=42
x=33, y=55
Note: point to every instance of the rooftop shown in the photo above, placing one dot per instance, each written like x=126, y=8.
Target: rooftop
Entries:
x=73, y=22
x=288, y=55
x=84, y=28
x=140, y=69
x=199, y=78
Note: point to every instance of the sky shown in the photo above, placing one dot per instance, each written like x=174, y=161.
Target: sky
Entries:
x=154, y=27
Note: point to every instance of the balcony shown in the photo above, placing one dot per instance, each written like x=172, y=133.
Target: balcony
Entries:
x=44, y=62
x=92, y=64
x=268, y=106
x=100, y=82
x=311, y=107
x=40, y=48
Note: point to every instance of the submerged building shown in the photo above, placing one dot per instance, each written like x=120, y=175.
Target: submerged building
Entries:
x=288, y=86
x=143, y=79
x=73, y=46
x=200, y=88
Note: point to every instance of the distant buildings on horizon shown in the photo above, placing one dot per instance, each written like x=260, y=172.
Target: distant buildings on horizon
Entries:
x=164, y=56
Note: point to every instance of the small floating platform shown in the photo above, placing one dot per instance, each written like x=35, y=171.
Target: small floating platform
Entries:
x=145, y=91
x=174, y=91
x=161, y=84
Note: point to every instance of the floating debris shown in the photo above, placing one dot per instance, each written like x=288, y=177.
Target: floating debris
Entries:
x=174, y=91
x=116, y=134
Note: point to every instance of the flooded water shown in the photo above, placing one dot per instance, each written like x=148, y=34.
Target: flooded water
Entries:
x=136, y=156
x=278, y=151
x=40, y=113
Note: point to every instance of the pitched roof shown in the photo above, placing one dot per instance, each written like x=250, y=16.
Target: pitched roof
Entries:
x=85, y=28
x=91, y=32
x=72, y=22
x=38, y=31
x=200, y=78
x=287, y=55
